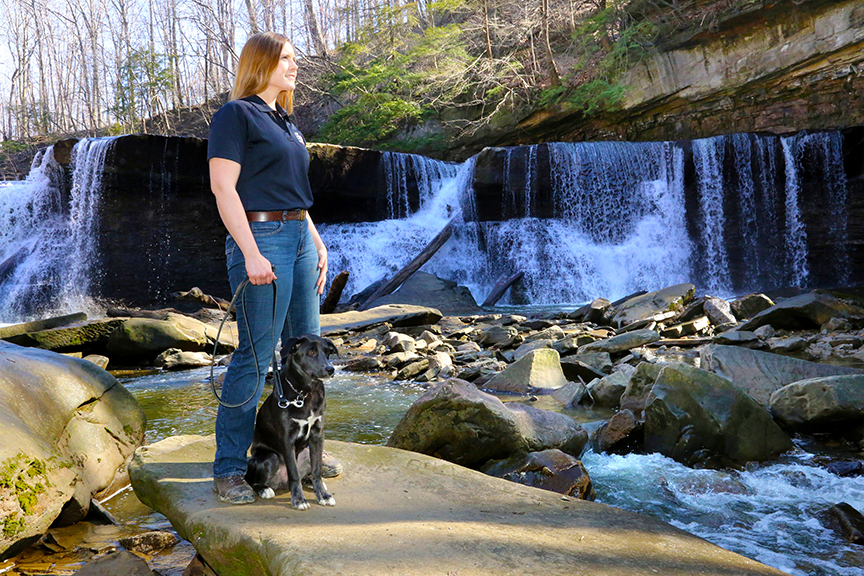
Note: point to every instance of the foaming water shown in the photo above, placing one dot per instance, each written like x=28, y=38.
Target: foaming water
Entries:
x=51, y=239
x=772, y=513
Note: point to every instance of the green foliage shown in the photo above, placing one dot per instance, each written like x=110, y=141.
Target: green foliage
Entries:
x=608, y=43
x=144, y=75
x=12, y=526
x=13, y=146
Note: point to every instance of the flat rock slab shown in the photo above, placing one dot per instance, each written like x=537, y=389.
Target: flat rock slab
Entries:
x=401, y=513
x=396, y=314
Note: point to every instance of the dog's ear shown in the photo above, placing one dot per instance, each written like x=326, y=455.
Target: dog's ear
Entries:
x=296, y=343
x=330, y=348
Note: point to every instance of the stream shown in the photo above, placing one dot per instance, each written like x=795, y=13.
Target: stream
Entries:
x=769, y=512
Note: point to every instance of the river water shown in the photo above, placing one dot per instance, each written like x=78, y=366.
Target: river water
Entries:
x=768, y=512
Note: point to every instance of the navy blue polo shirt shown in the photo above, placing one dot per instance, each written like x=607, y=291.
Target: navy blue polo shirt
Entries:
x=271, y=151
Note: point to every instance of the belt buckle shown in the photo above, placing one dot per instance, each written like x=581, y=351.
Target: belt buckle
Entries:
x=284, y=215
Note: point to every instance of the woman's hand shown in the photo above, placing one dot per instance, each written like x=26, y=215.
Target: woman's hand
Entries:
x=259, y=270
x=322, y=269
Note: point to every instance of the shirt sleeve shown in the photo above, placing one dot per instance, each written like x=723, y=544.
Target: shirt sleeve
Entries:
x=227, y=134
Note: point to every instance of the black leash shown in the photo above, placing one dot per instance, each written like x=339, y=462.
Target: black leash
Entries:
x=282, y=401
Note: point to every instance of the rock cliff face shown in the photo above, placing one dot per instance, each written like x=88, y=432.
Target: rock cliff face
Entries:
x=764, y=66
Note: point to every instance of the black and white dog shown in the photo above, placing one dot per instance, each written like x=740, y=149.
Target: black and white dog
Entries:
x=282, y=433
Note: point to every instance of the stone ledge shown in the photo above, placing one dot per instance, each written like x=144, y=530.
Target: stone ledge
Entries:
x=401, y=513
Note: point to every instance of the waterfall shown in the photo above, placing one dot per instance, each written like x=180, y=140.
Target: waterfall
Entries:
x=52, y=239
x=708, y=157
x=796, y=235
x=374, y=250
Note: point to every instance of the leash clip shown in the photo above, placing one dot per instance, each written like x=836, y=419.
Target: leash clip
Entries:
x=297, y=402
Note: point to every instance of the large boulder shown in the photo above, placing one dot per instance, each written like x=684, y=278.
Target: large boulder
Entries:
x=457, y=422
x=759, y=374
x=401, y=513
x=87, y=336
x=148, y=337
x=820, y=404
x=673, y=298
x=639, y=386
x=539, y=369
x=68, y=429
x=424, y=289
x=807, y=311
x=699, y=419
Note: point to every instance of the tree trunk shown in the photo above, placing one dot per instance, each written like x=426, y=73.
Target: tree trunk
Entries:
x=551, y=68
x=501, y=287
x=412, y=266
x=335, y=293
x=315, y=35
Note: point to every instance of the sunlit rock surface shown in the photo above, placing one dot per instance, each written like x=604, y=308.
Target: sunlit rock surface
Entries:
x=401, y=513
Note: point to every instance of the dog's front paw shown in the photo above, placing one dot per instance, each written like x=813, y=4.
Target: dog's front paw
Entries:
x=327, y=500
x=299, y=503
x=267, y=493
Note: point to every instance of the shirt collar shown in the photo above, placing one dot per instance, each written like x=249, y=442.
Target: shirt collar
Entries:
x=258, y=103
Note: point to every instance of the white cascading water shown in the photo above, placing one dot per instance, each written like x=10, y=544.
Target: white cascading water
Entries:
x=796, y=234
x=54, y=244
x=772, y=512
x=708, y=157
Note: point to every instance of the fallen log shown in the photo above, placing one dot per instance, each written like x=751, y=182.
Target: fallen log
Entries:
x=37, y=325
x=412, y=266
x=8, y=266
x=335, y=292
x=500, y=288
x=198, y=295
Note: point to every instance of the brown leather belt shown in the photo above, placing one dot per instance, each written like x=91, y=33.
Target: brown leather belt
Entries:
x=276, y=216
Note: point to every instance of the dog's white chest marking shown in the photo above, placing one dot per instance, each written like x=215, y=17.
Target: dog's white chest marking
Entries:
x=307, y=423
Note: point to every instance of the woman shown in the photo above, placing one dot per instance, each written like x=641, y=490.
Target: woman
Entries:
x=259, y=175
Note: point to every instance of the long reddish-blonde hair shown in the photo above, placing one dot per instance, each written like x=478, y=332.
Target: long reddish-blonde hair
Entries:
x=258, y=61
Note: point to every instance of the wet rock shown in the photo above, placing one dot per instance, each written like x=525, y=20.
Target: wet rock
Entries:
x=483, y=368
x=599, y=361
x=570, y=394
x=149, y=542
x=576, y=370
x=699, y=419
x=90, y=335
x=593, y=312
x=825, y=404
x=749, y=306
x=606, y=392
x=459, y=423
x=396, y=315
x=697, y=326
x=787, y=345
x=622, y=342
x=846, y=468
x=847, y=521
x=528, y=346
x=639, y=386
x=364, y=364
x=737, y=338
x=98, y=360
x=759, y=374
x=836, y=325
x=537, y=324
x=807, y=311
x=765, y=332
x=174, y=359
x=548, y=470
x=500, y=336
x=673, y=298
x=199, y=567
x=115, y=563
x=622, y=434
x=413, y=369
x=398, y=359
x=570, y=344
x=719, y=311
x=538, y=369
x=552, y=333
x=68, y=429
x=139, y=337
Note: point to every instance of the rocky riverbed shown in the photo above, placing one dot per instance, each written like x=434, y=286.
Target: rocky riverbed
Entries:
x=707, y=383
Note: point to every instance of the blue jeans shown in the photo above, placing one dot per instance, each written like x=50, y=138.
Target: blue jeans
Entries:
x=289, y=247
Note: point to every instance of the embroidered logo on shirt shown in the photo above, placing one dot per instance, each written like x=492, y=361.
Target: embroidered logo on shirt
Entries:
x=298, y=136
